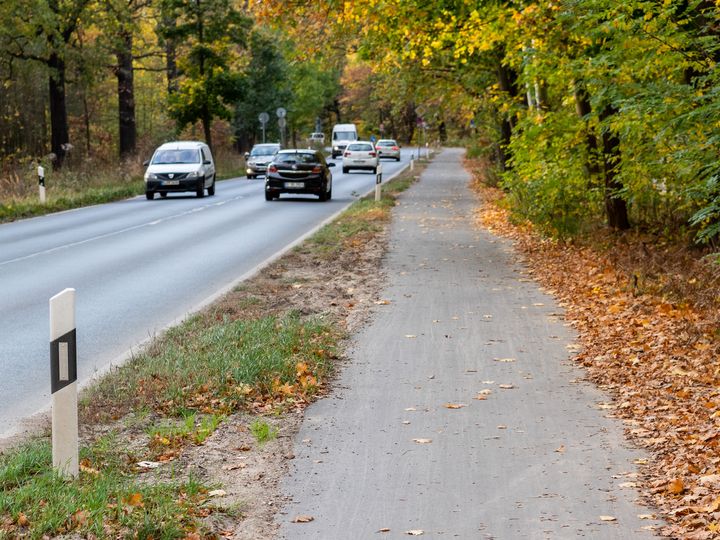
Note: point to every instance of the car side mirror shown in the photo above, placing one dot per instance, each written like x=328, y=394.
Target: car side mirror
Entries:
x=331, y=164
x=146, y=163
x=247, y=155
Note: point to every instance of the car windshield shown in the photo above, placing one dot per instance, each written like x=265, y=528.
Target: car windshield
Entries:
x=264, y=151
x=296, y=157
x=363, y=147
x=344, y=135
x=166, y=157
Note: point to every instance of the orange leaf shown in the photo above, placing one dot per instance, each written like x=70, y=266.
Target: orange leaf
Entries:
x=676, y=486
x=454, y=405
x=135, y=499
x=303, y=519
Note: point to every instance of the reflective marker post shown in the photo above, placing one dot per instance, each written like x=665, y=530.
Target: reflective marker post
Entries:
x=378, y=182
x=63, y=383
x=41, y=183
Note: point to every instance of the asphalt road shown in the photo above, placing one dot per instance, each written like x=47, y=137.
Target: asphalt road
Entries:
x=384, y=455
x=138, y=266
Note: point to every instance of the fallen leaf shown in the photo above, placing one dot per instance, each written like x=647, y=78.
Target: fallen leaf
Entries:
x=560, y=449
x=608, y=518
x=454, y=405
x=234, y=467
x=502, y=426
x=676, y=486
x=148, y=464
x=506, y=360
x=646, y=516
x=628, y=485
x=22, y=520
x=506, y=386
x=135, y=499
x=303, y=519
x=384, y=530
x=410, y=336
x=415, y=532
x=411, y=409
x=217, y=493
x=422, y=441
x=382, y=302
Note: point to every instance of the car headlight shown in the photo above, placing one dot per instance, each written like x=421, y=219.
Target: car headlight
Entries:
x=193, y=174
x=150, y=176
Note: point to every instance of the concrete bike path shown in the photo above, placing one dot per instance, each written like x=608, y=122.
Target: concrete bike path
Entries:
x=387, y=454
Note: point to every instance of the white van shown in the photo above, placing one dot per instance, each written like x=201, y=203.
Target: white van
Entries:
x=342, y=135
x=180, y=166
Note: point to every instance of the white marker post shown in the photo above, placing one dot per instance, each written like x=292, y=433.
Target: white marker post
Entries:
x=41, y=183
x=378, y=182
x=63, y=383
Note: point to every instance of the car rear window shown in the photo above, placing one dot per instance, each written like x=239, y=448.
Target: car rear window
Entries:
x=361, y=147
x=387, y=143
x=298, y=157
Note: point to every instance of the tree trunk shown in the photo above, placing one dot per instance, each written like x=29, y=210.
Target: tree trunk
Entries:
x=59, y=131
x=170, y=57
x=583, y=108
x=615, y=206
x=126, y=98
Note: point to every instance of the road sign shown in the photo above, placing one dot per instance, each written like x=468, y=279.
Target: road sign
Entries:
x=281, y=112
x=264, y=117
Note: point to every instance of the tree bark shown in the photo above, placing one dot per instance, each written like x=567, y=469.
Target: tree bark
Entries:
x=615, y=206
x=59, y=131
x=126, y=98
x=583, y=109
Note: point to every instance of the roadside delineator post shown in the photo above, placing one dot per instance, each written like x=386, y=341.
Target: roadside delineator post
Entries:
x=63, y=383
x=412, y=162
x=41, y=183
x=378, y=182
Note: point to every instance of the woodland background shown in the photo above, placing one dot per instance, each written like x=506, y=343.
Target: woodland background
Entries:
x=593, y=112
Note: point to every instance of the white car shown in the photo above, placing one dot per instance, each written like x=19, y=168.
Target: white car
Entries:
x=180, y=166
x=388, y=148
x=360, y=155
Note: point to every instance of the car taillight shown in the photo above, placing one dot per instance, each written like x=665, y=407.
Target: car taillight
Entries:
x=317, y=169
x=372, y=154
x=272, y=168
x=346, y=154
x=396, y=148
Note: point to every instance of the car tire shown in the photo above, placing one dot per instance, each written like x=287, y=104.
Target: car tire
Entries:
x=397, y=158
x=269, y=196
x=329, y=194
x=149, y=195
x=374, y=170
x=211, y=189
x=163, y=194
x=346, y=170
x=250, y=177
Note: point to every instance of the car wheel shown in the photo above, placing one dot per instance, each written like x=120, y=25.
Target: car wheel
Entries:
x=211, y=189
x=250, y=177
x=268, y=196
x=163, y=194
x=329, y=194
x=397, y=158
x=149, y=195
x=346, y=170
x=200, y=191
x=374, y=171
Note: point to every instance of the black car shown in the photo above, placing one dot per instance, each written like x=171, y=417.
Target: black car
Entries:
x=299, y=171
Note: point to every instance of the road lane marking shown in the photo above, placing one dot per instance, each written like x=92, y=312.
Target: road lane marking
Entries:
x=116, y=233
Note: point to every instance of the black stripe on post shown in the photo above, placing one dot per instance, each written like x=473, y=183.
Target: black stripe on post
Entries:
x=63, y=361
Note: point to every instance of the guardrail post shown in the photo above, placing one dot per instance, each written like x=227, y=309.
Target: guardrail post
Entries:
x=63, y=383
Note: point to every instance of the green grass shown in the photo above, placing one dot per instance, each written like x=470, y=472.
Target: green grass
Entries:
x=262, y=431
x=204, y=365
x=106, y=500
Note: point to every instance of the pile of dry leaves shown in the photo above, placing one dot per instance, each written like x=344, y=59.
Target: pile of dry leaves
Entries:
x=647, y=317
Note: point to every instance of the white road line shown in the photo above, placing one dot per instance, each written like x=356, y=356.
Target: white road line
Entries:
x=116, y=233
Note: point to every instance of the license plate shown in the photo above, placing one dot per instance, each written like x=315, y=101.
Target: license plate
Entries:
x=171, y=182
x=294, y=185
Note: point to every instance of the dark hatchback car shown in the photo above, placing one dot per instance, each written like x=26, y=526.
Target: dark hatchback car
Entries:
x=299, y=171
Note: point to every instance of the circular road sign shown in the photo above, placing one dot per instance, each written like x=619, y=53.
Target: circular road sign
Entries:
x=281, y=112
x=263, y=117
